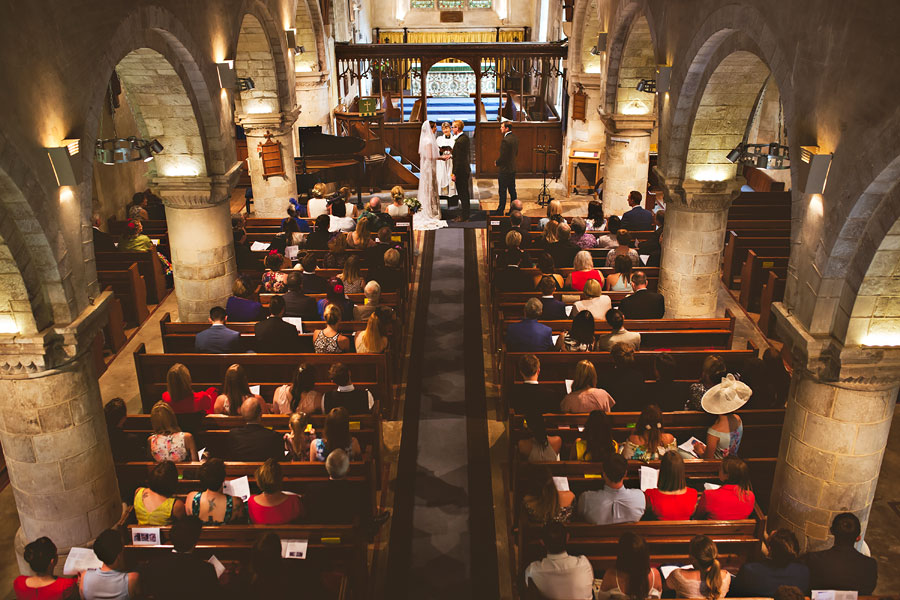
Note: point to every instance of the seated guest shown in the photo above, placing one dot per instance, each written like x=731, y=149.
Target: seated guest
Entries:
x=181, y=574
x=110, y=580
x=274, y=334
x=649, y=441
x=373, y=340
x=235, y=391
x=614, y=503
x=42, y=557
x=841, y=567
x=252, y=442
x=397, y=207
x=390, y=275
x=181, y=396
x=528, y=395
x=707, y=579
x=335, y=296
x=338, y=251
x=330, y=340
x=584, y=271
x=372, y=301
x=302, y=224
x=563, y=251
x=547, y=268
x=209, y=504
x=513, y=252
x=671, y=394
x=124, y=446
x=597, y=443
x=554, y=214
x=133, y=238
x=620, y=279
x=374, y=215
x=712, y=373
x=580, y=336
x=652, y=247
x=299, y=395
x=768, y=379
x=335, y=500
x=339, y=220
x=543, y=503
x=609, y=240
x=528, y=335
x=272, y=506
x=317, y=205
x=780, y=567
x=538, y=447
x=361, y=237
x=632, y=576
x=595, y=217
x=638, y=218
x=296, y=303
x=268, y=574
x=310, y=282
x=514, y=223
x=319, y=238
x=137, y=210
x=240, y=307
x=156, y=504
x=580, y=237
x=672, y=499
x=585, y=395
x=511, y=278
x=168, y=442
x=625, y=382
x=549, y=236
x=291, y=235
x=560, y=576
x=642, y=304
x=350, y=205
x=218, y=339
x=375, y=254
x=273, y=280
x=355, y=401
x=734, y=499
x=554, y=310
x=103, y=242
x=788, y=592
x=517, y=206
x=297, y=440
x=593, y=300
x=351, y=278
x=723, y=438
x=616, y=321
x=336, y=436
x=243, y=255
x=623, y=249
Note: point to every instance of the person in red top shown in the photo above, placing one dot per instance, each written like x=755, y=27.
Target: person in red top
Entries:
x=583, y=270
x=735, y=499
x=181, y=396
x=273, y=506
x=42, y=558
x=672, y=500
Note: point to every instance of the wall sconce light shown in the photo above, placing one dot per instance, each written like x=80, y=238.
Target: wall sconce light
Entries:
x=814, y=167
x=601, y=43
x=245, y=83
x=291, y=37
x=227, y=77
x=663, y=77
x=646, y=85
x=64, y=160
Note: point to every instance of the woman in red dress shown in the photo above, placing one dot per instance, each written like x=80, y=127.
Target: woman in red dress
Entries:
x=273, y=506
x=181, y=396
x=672, y=500
x=42, y=558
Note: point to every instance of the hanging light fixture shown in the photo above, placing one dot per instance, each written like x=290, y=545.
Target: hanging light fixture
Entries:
x=115, y=151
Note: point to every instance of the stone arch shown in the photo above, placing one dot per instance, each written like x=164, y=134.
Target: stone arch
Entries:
x=587, y=13
x=728, y=30
x=310, y=35
x=259, y=34
x=632, y=57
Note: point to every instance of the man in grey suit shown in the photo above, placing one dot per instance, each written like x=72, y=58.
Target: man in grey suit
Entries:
x=218, y=339
x=506, y=177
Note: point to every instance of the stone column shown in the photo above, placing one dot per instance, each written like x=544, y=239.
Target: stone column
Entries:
x=270, y=194
x=839, y=414
x=627, y=159
x=692, y=243
x=53, y=434
x=584, y=134
x=314, y=97
x=200, y=238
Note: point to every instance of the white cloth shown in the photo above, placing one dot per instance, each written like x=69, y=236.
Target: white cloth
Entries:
x=397, y=211
x=340, y=224
x=443, y=169
x=598, y=306
x=429, y=217
x=562, y=577
x=316, y=207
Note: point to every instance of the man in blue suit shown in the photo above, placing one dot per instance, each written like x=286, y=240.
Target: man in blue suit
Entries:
x=528, y=335
x=638, y=218
x=554, y=310
x=218, y=339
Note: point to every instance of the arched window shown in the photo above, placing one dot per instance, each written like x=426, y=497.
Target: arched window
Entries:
x=451, y=4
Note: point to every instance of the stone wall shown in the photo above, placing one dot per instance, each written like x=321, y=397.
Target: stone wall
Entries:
x=254, y=60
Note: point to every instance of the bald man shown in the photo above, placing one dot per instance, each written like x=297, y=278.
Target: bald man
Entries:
x=252, y=442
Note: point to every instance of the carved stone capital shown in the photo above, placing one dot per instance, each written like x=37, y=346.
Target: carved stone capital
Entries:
x=311, y=79
x=589, y=81
x=699, y=196
x=196, y=192
x=624, y=124
x=275, y=123
x=54, y=347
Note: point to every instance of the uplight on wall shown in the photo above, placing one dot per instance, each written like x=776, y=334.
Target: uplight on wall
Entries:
x=881, y=339
x=8, y=324
x=64, y=160
x=601, y=43
x=814, y=167
x=635, y=107
x=227, y=78
x=712, y=173
x=663, y=77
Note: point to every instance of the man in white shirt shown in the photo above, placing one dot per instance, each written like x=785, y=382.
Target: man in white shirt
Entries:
x=560, y=576
x=614, y=503
x=616, y=321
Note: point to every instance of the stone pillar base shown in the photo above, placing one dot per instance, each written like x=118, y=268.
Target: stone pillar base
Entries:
x=627, y=159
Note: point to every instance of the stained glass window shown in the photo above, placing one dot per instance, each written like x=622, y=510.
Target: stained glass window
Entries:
x=450, y=4
x=481, y=3
x=421, y=4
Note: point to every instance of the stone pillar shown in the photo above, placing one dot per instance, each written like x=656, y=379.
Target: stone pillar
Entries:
x=270, y=194
x=53, y=434
x=627, y=159
x=692, y=243
x=200, y=238
x=584, y=134
x=314, y=96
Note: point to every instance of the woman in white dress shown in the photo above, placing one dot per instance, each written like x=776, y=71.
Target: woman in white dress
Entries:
x=446, y=187
x=429, y=217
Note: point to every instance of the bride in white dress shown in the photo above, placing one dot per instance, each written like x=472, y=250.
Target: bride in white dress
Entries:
x=429, y=217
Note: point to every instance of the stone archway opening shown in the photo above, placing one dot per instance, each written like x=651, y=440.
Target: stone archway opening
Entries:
x=638, y=62
x=308, y=60
x=254, y=61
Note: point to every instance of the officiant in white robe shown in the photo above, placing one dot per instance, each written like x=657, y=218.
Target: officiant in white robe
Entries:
x=446, y=187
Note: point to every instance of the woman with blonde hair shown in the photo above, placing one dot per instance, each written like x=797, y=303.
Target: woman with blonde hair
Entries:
x=272, y=506
x=168, y=442
x=361, y=238
x=352, y=279
x=181, y=396
x=371, y=341
x=554, y=213
x=397, y=208
x=235, y=390
x=549, y=236
x=299, y=437
x=586, y=396
x=583, y=271
x=337, y=252
x=330, y=340
x=707, y=579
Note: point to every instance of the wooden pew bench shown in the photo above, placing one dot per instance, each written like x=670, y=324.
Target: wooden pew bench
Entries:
x=129, y=288
x=736, y=248
x=149, y=266
x=754, y=275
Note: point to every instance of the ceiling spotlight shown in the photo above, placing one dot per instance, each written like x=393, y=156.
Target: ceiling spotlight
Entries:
x=245, y=83
x=114, y=151
x=646, y=85
x=762, y=156
x=735, y=154
x=156, y=146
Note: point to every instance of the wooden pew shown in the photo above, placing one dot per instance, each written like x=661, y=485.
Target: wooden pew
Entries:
x=772, y=291
x=114, y=330
x=736, y=248
x=148, y=264
x=753, y=277
x=128, y=286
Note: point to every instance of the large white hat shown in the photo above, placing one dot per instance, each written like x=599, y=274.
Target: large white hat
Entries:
x=726, y=397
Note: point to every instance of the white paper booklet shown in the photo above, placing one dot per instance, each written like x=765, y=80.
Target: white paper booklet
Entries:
x=218, y=566
x=688, y=446
x=258, y=246
x=561, y=483
x=569, y=383
x=239, y=487
x=297, y=322
x=294, y=548
x=254, y=389
x=649, y=478
x=81, y=559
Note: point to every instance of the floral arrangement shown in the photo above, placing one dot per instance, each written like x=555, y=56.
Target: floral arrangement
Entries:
x=413, y=204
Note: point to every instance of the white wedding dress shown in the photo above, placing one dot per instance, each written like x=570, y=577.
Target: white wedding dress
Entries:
x=429, y=216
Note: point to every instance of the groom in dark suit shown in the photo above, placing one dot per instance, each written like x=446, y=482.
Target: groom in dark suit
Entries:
x=462, y=170
x=506, y=178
